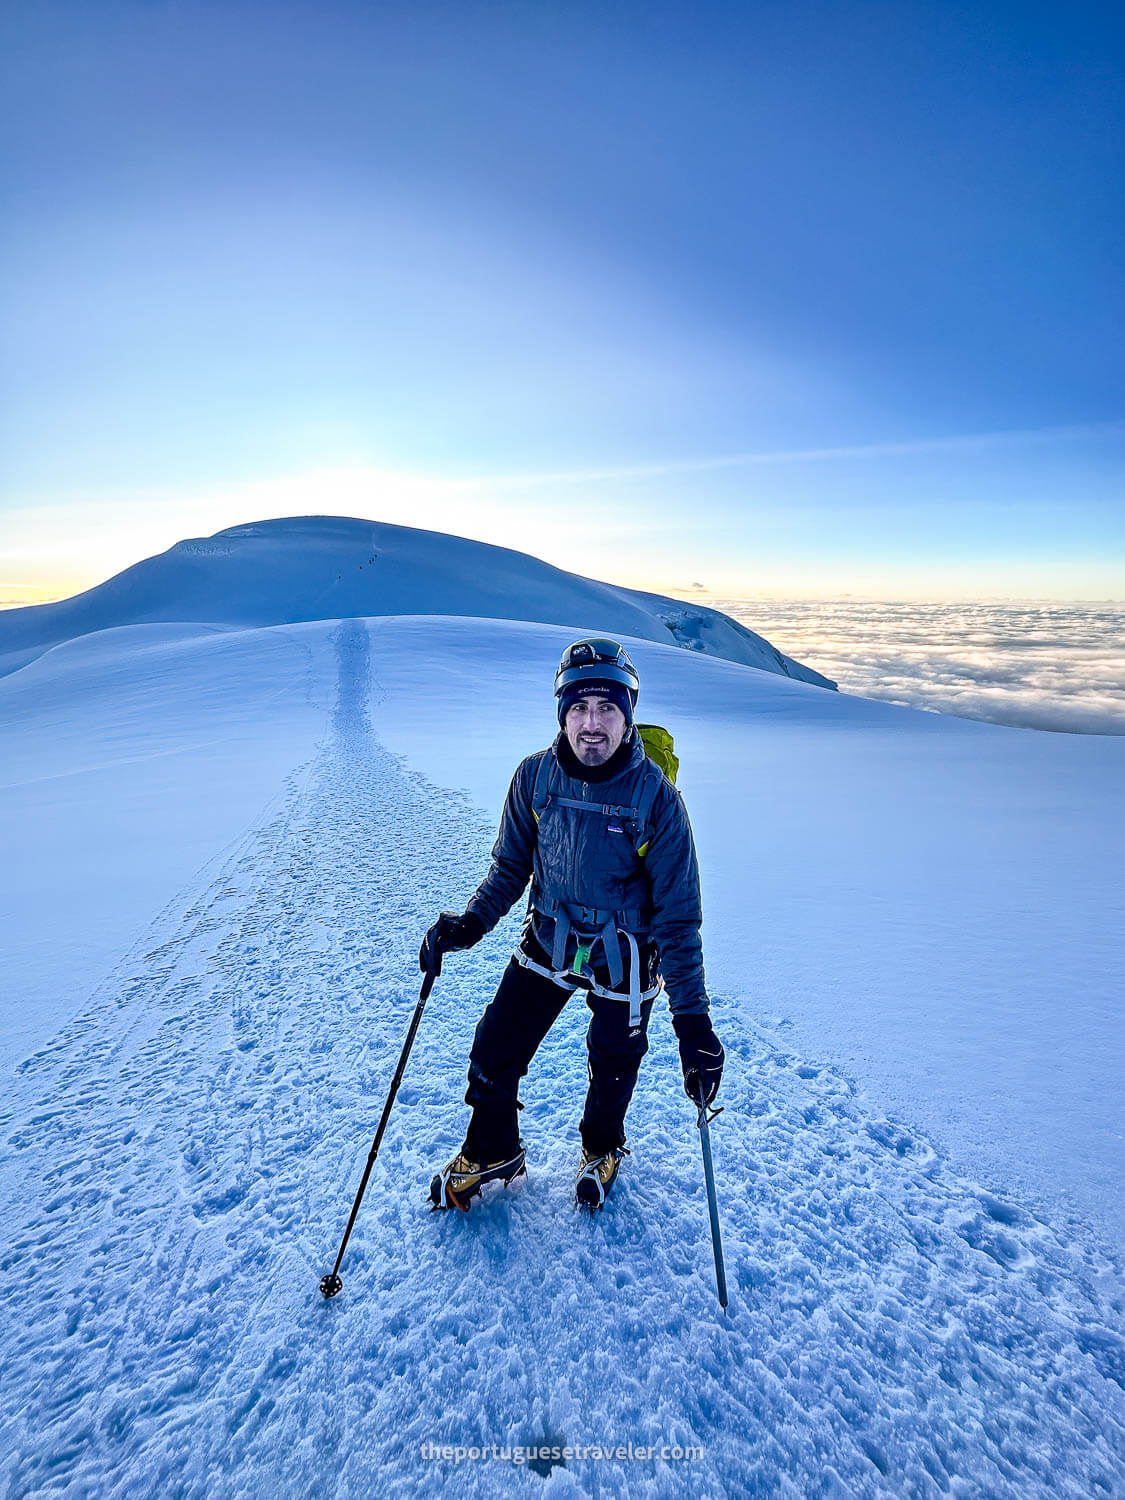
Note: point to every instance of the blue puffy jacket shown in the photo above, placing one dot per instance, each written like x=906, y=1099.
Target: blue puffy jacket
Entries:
x=591, y=863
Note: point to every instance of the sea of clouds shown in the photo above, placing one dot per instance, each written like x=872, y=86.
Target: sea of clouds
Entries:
x=1050, y=665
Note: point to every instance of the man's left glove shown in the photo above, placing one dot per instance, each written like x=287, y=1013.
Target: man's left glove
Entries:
x=701, y=1055
x=448, y=934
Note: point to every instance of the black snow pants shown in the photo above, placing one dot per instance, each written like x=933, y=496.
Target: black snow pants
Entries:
x=525, y=1007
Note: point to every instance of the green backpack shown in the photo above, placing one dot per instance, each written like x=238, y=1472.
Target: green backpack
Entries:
x=660, y=747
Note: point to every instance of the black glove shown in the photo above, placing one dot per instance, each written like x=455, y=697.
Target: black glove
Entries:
x=448, y=934
x=701, y=1055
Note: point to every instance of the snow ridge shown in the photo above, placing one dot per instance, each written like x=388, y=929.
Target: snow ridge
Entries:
x=186, y=1153
x=335, y=567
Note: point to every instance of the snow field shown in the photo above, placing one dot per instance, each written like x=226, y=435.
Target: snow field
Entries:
x=128, y=760
x=180, y=1160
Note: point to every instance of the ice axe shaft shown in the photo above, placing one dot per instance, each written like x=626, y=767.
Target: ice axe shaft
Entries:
x=704, y=1123
x=331, y=1284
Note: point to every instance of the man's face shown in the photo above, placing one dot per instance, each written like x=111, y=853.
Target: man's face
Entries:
x=594, y=729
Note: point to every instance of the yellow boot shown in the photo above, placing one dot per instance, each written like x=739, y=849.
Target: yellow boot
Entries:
x=462, y=1179
x=596, y=1175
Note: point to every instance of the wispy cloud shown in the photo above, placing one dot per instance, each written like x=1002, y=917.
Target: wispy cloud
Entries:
x=964, y=442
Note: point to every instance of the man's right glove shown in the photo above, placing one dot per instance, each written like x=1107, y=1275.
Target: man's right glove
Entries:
x=701, y=1055
x=448, y=934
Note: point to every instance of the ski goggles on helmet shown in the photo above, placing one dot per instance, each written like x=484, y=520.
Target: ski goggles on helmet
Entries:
x=585, y=653
x=597, y=659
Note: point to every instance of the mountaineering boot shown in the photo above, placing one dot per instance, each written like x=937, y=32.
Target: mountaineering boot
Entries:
x=596, y=1175
x=463, y=1178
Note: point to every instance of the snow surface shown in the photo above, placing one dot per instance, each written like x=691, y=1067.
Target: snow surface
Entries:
x=332, y=567
x=129, y=758
x=911, y=939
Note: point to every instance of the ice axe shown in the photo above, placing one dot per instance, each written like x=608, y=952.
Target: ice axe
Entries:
x=331, y=1284
x=704, y=1123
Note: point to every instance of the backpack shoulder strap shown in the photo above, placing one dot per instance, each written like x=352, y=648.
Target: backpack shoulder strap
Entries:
x=654, y=779
x=541, y=786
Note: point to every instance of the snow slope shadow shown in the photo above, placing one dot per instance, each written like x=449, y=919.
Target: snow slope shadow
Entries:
x=182, y=1159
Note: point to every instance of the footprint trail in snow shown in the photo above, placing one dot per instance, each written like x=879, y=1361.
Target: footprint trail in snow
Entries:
x=180, y=1162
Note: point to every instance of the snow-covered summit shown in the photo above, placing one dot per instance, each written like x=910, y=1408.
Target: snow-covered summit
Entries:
x=306, y=568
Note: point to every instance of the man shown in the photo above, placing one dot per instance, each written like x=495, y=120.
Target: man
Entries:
x=614, y=910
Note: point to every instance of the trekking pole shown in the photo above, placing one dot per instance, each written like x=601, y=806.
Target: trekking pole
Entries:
x=704, y=1123
x=331, y=1284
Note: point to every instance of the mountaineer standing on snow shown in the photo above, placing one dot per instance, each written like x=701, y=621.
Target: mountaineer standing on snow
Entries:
x=603, y=836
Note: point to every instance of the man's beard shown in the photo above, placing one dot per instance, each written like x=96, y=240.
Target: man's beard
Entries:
x=594, y=752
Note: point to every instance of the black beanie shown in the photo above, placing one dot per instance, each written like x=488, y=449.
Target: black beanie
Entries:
x=616, y=692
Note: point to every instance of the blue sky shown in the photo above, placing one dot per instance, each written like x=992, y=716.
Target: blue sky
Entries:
x=810, y=299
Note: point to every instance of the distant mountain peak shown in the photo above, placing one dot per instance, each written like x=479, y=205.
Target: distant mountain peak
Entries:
x=298, y=568
x=343, y=528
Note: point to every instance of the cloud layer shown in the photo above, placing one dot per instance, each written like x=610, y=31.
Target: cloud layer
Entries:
x=1045, y=665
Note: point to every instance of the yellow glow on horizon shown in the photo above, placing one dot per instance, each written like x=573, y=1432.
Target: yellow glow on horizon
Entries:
x=47, y=590
x=55, y=549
